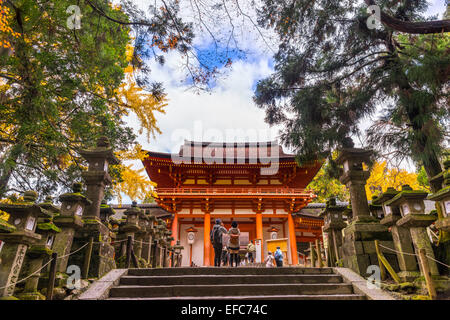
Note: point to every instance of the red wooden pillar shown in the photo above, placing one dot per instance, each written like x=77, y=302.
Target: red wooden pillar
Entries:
x=206, y=239
x=175, y=229
x=292, y=240
x=259, y=232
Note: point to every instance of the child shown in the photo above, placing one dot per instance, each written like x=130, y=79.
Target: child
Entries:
x=270, y=260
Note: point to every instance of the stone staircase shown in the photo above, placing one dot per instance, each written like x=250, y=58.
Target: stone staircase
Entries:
x=242, y=283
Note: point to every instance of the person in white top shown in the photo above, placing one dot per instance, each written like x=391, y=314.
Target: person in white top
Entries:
x=270, y=260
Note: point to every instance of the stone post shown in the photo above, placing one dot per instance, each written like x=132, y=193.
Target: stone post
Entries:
x=148, y=239
x=96, y=179
x=413, y=218
x=443, y=223
x=131, y=227
x=40, y=251
x=17, y=234
x=358, y=246
x=69, y=220
x=333, y=225
x=142, y=234
x=407, y=263
x=177, y=249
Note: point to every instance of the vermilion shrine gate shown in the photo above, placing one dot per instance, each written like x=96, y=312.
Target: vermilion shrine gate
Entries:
x=256, y=184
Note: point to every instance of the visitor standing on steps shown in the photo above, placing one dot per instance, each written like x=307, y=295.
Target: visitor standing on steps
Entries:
x=270, y=260
x=279, y=257
x=233, y=243
x=216, y=240
x=250, y=250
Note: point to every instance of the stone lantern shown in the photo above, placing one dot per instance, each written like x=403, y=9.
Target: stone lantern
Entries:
x=413, y=218
x=17, y=234
x=354, y=177
x=141, y=235
x=443, y=205
x=148, y=238
x=96, y=179
x=273, y=233
x=443, y=198
x=333, y=225
x=105, y=212
x=70, y=219
x=376, y=210
x=407, y=262
x=41, y=250
x=97, y=176
x=358, y=247
x=132, y=224
x=177, y=249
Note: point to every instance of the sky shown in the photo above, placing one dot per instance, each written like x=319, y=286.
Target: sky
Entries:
x=227, y=112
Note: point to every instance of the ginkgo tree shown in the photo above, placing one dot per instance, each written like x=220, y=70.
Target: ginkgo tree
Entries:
x=325, y=185
x=382, y=177
x=62, y=88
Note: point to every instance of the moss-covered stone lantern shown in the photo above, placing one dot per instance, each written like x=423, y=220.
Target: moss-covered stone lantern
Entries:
x=17, y=238
x=69, y=220
x=177, y=248
x=97, y=176
x=413, y=218
x=40, y=251
x=358, y=247
x=333, y=225
x=376, y=210
x=354, y=177
x=132, y=224
x=443, y=209
x=443, y=198
x=407, y=262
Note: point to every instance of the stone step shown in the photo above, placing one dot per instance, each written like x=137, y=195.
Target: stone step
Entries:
x=229, y=279
x=230, y=290
x=227, y=270
x=267, y=297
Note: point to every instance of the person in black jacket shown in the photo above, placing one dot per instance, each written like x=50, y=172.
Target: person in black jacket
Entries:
x=216, y=240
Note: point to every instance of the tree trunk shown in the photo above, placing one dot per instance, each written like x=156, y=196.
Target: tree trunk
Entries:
x=427, y=27
x=8, y=167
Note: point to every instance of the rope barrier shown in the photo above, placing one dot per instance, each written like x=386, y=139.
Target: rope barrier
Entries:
x=22, y=280
x=71, y=253
x=413, y=254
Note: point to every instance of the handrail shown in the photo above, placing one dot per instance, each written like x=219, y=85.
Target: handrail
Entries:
x=233, y=190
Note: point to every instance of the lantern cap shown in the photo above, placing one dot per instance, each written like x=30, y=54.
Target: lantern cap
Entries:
x=191, y=229
x=30, y=196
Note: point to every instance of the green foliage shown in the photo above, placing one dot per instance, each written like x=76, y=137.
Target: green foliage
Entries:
x=57, y=95
x=332, y=72
x=422, y=178
x=326, y=186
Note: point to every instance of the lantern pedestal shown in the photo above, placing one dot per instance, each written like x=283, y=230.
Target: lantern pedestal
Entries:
x=443, y=223
x=407, y=262
x=404, y=247
x=417, y=224
x=333, y=225
x=359, y=247
x=102, y=256
x=23, y=218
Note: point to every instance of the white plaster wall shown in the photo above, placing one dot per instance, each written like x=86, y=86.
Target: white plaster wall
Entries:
x=197, y=247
